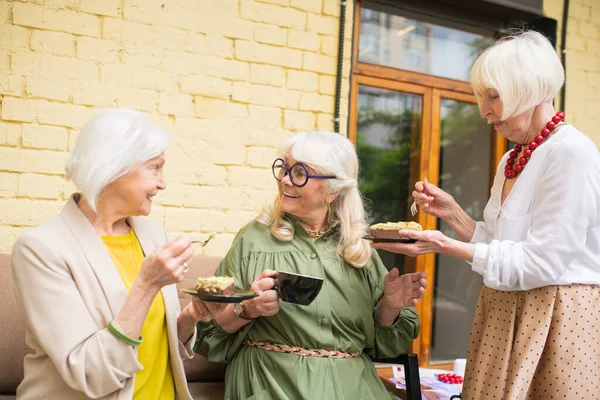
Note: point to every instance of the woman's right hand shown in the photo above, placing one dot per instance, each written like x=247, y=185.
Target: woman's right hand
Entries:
x=433, y=200
x=267, y=301
x=168, y=264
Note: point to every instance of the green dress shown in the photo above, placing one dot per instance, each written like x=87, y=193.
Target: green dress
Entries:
x=342, y=318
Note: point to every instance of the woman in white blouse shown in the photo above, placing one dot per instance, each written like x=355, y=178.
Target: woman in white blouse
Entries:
x=536, y=329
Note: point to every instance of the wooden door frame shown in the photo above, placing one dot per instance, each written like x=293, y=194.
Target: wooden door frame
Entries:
x=397, y=86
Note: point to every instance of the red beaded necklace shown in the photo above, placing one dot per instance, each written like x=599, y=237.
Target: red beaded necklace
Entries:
x=511, y=170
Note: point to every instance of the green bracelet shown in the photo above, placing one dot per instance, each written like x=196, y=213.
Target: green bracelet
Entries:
x=123, y=337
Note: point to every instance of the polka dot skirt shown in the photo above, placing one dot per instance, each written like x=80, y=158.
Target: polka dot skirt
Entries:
x=537, y=344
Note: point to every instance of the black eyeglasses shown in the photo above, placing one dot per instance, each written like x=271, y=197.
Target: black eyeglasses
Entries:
x=298, y=173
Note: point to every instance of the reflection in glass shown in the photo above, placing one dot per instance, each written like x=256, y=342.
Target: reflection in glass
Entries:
x=388, y=124
x=464, y=172
x=405, y=43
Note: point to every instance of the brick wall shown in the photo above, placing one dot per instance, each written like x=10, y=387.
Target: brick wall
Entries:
x=583, y=62
x=230, y=79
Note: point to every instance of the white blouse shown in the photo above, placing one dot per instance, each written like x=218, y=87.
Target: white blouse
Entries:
x=547, y=232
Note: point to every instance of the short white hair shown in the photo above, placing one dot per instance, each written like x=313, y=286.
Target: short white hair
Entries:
x=112, y=143
x=525, y=70
x=328, y=153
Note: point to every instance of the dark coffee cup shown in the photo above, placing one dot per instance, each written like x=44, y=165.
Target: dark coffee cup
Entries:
x=297, y=288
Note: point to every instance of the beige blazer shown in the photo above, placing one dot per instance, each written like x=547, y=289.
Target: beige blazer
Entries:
x=69, y=290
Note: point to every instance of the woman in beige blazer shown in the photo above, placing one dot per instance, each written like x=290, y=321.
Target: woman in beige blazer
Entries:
x=85, y=318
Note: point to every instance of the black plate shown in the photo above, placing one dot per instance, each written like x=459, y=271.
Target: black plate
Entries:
x=236, y=297
x=390, y=240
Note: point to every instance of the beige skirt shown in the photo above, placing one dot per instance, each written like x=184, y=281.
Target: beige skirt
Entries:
x=536, y=344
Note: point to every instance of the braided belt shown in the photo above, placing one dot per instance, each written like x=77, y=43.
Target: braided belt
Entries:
x=300, y=351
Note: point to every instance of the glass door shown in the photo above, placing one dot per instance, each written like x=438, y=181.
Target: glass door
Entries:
x=413, y=115
x=465, y=156
x=389, y=125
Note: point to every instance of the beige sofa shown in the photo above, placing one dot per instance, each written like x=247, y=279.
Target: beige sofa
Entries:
x=205, y=378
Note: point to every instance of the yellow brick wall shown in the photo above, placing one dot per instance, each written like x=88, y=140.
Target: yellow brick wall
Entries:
x=583, y=62
x=230, y=79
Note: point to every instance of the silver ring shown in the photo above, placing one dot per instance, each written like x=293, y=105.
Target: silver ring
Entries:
x=185, y=271
x=185, y=265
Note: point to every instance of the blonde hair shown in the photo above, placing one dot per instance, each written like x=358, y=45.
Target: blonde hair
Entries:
x=112, y=143
x=328, y=153
x=523, y=68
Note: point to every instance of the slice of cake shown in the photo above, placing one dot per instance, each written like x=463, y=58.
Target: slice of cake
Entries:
x=215, y=285
x=390, y=230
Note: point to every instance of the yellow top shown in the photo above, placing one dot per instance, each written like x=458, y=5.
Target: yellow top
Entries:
x=155, y=381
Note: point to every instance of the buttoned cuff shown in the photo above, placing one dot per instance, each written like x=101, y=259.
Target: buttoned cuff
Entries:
x=477, y=233
x=480, y=258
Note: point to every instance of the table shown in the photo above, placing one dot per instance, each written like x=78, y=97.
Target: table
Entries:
x=385, y=373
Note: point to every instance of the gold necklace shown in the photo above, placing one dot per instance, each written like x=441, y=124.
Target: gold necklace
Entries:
x=314, y=233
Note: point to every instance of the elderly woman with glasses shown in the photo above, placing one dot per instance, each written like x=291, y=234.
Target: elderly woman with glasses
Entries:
x=536, y=329
x=96, y=284
x=279, y=350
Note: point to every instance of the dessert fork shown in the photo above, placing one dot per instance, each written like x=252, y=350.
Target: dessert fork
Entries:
x=413, y=208
x=205, y=241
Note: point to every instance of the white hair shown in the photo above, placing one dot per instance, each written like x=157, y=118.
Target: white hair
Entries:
x=328, y=153
x=525, y=70
x=112, y=143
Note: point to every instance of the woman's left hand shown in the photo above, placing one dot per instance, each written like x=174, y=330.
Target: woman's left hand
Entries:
x=427, y=242
x=401, y=291
x=194, y=312
x=204, y=312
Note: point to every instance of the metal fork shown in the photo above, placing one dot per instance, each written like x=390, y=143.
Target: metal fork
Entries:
x=413, y=208
x=205, y=241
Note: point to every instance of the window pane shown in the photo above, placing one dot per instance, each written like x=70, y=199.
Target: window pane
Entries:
x=465, y=149
x=389, y=123
x=405, y=43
